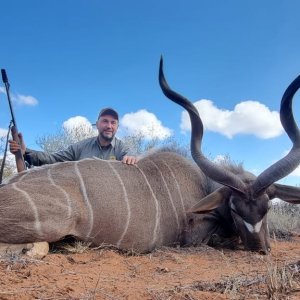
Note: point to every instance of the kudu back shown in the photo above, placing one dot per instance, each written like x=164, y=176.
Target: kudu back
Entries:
x=138, y=207
x=163, y=200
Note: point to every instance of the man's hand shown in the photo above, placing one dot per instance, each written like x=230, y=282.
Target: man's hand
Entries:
x=129, y=160
x=14, y=147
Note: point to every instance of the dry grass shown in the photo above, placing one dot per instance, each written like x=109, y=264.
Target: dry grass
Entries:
x=279, y=283
x=75, y=247
x=234, y=288
x=283, y=219
x=282, y=281
x=14, y=261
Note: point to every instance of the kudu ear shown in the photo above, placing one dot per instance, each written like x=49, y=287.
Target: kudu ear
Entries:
x=212, y=201
x=290, y=194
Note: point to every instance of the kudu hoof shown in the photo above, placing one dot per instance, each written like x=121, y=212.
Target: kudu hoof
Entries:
x=38, y=250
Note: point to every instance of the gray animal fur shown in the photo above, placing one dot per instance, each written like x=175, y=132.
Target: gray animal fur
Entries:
x=138, y=207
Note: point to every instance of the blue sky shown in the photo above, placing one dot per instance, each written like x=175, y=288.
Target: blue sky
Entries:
x=233, y=59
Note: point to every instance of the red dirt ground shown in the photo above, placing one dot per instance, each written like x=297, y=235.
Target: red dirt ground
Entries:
x=170, y=273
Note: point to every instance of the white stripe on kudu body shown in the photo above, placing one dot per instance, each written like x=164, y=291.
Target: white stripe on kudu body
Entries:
x=23, y=176
x=178, y=188
x=63, y=191
x=169, y=194
x=85, y=198
x=37, y=223
x=157, y=209
x=126, y=201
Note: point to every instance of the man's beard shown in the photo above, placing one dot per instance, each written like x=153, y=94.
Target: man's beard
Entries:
x=106, y=138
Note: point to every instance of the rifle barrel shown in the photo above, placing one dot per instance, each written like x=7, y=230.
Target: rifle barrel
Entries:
x=14, y=130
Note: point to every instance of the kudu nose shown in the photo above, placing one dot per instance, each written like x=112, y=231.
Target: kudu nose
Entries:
x=264, y=252
x=259, y=250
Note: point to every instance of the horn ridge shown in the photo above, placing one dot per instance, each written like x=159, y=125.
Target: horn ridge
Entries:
x=290, y=162
x=209, y=168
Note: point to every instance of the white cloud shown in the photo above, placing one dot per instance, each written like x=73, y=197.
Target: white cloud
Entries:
x=248, y=117
x=10, y=160
x=79, y=124
x=25, y=100
x=76, y=122
x=78, y=128
x=21, y=99
x=145, y=123
x=3, y=132
x=296, y=172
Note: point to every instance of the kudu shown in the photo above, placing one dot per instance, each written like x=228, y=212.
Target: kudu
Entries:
x=145, y=206
x=239, y=206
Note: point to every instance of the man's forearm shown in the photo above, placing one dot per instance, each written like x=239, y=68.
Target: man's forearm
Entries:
x=39, y=158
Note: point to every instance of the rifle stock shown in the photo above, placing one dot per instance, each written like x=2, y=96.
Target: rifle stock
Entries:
x=14, y=130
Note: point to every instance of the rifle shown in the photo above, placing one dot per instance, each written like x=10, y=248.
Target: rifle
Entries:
x=20, y=163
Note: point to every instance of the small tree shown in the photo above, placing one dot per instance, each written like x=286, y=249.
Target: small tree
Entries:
x=9, y=167
x=140, y=143
x=283, y=219
x=64, y=137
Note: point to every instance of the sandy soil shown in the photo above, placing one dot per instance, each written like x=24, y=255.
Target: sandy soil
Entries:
x=170, y=273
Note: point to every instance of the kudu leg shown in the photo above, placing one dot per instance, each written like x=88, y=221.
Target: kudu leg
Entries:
x=36, y=250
